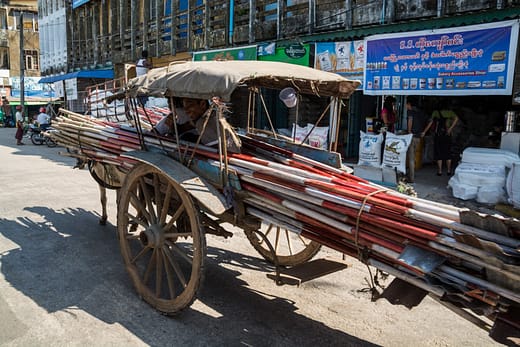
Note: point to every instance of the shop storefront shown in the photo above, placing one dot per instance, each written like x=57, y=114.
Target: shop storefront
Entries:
x=472, y=66
x=475, y=66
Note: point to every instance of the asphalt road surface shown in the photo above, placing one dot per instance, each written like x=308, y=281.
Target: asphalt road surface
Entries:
x=62, y=281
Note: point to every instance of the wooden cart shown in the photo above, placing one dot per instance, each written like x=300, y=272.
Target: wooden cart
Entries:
x=168, y=201
x=169, y=198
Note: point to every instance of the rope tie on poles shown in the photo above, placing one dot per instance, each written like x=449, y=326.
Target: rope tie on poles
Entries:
x=363, y=257
x=206, y=117
x=364, y=253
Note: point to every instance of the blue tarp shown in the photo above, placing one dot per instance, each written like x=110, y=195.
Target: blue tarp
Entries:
x=106, y=73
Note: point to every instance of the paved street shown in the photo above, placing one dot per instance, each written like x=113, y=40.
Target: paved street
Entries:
x=62, y=281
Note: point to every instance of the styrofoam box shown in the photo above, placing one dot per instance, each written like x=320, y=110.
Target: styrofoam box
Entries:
x=491, y=156
x=491, y=194
x=481, y=174
x=462, y=191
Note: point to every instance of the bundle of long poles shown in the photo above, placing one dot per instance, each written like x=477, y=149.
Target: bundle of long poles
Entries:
x=341, y=211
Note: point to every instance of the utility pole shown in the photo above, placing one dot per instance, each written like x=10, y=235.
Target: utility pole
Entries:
x=22, y=66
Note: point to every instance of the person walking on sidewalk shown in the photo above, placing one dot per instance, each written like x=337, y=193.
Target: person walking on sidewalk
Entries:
x=19, y=125
x=417, y=121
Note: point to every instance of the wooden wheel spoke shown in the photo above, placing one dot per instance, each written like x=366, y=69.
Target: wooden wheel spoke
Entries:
x=158, y=272
x=269, y=228
x=174, y=248
x=140, y=207
x=150, y=266
x=169, y=275
x=174, y=218
x=289, y=244
x=277, y=239
x=176, y=268
x=140, y=254
x=148, y=200
x=166, y=205
x=303, y=240
x=135, y=219
x=158, y=200
x=132, y=236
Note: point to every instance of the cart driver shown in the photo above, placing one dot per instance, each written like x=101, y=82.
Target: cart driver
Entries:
x=195, y=124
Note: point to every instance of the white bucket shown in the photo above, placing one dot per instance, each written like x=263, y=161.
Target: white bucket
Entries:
x=288, y=96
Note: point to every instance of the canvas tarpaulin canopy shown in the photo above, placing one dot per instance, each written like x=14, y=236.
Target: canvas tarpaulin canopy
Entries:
x=209, y=79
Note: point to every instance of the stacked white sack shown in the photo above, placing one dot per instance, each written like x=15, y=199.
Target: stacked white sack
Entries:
x=482, y=173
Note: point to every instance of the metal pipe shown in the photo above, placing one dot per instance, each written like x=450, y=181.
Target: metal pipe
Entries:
x=406, y=277
x=231, y=6
x=478, y=281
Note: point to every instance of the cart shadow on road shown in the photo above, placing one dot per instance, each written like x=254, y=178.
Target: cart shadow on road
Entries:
x=64, y=261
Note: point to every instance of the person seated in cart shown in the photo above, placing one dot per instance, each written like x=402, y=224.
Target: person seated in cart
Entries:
x=192, y=122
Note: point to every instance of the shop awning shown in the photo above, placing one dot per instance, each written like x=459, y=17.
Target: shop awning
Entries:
x=30, y=103
x=105, y=73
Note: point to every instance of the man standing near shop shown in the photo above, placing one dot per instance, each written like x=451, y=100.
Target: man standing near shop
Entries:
x=19, y=125
x=417, y=121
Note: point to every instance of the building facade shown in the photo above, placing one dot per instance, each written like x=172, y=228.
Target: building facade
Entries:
x=101, y=33
x=108, y=34
x=19, y=50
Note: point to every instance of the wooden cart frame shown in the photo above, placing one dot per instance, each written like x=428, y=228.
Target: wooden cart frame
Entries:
x=169, y=200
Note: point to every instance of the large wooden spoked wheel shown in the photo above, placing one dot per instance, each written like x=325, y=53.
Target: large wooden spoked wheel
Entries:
x=290, y=248
x=161, y=239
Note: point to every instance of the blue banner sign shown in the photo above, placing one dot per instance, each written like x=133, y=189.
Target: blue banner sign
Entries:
x=471, y=60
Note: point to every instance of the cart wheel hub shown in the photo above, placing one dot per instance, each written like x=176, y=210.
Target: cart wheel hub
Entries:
x=153, y=236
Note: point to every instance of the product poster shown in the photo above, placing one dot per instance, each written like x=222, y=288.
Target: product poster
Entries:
x=344, y=58
x=471, y=60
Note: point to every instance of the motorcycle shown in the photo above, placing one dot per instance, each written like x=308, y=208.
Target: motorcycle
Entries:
x=38, y=137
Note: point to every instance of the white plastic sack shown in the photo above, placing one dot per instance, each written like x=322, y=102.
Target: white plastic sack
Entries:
x=318, y=137
x=462, y=191
x=370, y=149
x=513, y=185
x=394, y=154
x=99, y=109
x=157, y=102
x=491, y=194
x=299, y=133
